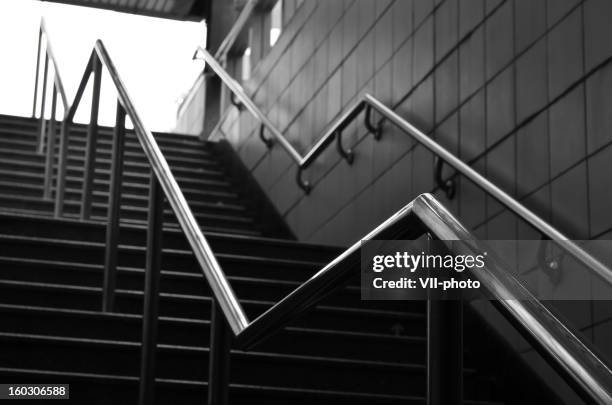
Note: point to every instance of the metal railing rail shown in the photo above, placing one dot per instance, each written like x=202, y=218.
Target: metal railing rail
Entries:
x=58, y=88
x=567, y=354
x=163, y=184
x=565, y=350
x=368, y=103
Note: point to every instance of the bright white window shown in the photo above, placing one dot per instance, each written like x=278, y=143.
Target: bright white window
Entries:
x=246, y=64
x=276, y=22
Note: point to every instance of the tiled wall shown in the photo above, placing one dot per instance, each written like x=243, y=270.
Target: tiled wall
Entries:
x=520, y=89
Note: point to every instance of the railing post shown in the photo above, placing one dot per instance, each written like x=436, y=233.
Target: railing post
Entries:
x=62, y=161
x=92, y=141
x=219, y=358
x=114, y=208
x=37, y=73
x=444, y=352
x=444, y=344
x=41, y=122
x=50, y=147
x=151, y=293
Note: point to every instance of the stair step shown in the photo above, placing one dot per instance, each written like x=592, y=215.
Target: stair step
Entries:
x=92, y=388
x=185, y=362
x=185, y=331
x=354, y=319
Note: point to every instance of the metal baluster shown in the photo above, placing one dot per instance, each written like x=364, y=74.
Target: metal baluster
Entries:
x=62, y=161
x=92, y=140
x=41, y=122
x=114, y=208
x=37, y=73
x=50, y=147
x=219, y=358
x=151, y=293
x=444, y=348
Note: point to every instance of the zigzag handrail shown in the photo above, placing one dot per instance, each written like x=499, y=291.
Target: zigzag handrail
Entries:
x=425, y=214
x=368, y=103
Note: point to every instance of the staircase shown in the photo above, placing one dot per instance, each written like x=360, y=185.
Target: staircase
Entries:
x=53, y=331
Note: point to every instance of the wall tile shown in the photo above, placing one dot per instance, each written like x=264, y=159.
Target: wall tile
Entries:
x=471, y=64
x=530, y=22
x=335, y=47
x=558, y=9
x=599, y=109
x=600, y=192
x=446, y=77
x=532, y=155
x=349, y=78
x=365, y=59
x=471, y=14
x=350, y=30
x=446, y=23
x=501, y=165
x=402, y=71
x=472, y=127
x=383, y=44
x=490, y=5
x=531, y=81
x=423, y=59
x=334, y=94
x=569, y=207
x=367, y=16
x=565, y=54
x=499, y=30
x=472, y=203
x=422, y=173
x=598, y=13
x=402, y=21
x=567, y=127
x=500, y=106
x=422, y=9
x=423, y=106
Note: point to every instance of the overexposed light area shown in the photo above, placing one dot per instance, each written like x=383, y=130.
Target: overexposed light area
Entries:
x=152, y=55
x=276, y=22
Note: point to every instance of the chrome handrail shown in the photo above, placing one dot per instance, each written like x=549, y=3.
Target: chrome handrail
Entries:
x=221, y=288
x=368, y=102
x=232, y=35
x=564, y=348
x=423, y=215
x=43, y=32
x=45, y=134
x=212, y=270
x=163, y=178
x=568, y=354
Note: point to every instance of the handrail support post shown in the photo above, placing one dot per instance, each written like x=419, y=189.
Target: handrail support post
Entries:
x=151, y=293
x=448, y=186
x=40, y=142
x=346, y=154
x=34, y=102
x=444, y=352
x=219, y=358
x=51, y=137
x=114, y=208
x=92, y=140
x=262, y=135
x=303, y=184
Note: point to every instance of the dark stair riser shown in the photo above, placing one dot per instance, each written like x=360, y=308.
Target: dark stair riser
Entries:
x=192, y=363
x=185, y=332
x=352, y=319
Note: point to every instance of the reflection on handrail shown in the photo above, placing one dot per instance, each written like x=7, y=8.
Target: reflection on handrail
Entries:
x=369, y=102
